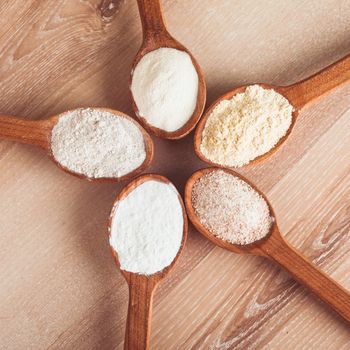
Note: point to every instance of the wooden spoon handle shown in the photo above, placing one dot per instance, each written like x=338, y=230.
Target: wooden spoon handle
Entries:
x=309, y=90
x=25, y=131
x=138, y=324
x=308, y=274
x=151, y=17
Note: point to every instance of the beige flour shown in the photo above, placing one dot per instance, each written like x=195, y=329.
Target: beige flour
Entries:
x=246, y=126
x=230, y=208
x=97, y=143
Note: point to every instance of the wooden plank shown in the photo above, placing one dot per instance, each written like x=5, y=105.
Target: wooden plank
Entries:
x=59, y=286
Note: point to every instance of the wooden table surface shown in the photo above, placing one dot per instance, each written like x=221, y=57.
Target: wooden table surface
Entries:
x=59, y=287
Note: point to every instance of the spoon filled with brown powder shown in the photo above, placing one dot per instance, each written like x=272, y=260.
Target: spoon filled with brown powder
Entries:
x=234, y=215
x=96, y=144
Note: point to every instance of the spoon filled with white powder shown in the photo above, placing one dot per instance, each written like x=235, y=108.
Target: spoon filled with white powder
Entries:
x=148, y=230
x=92, y=143
x=249, y=123
x=234, y=215
x=167, y=85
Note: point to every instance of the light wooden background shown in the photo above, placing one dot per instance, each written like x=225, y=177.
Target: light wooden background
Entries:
x=59, y=288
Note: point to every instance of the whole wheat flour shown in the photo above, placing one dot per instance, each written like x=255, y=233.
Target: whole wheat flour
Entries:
x=96, y=143
x=230, y=208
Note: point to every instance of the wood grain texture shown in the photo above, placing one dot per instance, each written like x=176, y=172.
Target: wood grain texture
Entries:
x=276, y=248
x=310, y=90
x=59, y=286
x=31, y=132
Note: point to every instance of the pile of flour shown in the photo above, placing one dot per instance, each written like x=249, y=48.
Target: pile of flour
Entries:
x=97, y=144
x=230, y=208
x=147, y=228
x=245, y=127
x=165, y=88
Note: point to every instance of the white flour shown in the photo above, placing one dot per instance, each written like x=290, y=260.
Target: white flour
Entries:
x=165, y=87
x=147, y=228
x=97, y=143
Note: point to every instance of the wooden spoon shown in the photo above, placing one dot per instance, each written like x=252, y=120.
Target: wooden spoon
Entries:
x=300, y=95
x=276, y=248
x=142, y=287
x=155, y=36
x=38, y=133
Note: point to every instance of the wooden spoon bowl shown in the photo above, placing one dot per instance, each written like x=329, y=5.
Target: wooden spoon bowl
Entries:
x=142, y=287
x=155, y=36
x=276, y=248
x=38, y=133
x=300, y=95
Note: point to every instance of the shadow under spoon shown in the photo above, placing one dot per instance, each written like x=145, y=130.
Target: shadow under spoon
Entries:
x=277, y=249
x=155, y=36
x=39, y=133
x=299, y=95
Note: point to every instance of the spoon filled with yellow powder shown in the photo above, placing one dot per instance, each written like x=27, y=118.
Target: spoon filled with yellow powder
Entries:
x=250, y=122
x=234, y=215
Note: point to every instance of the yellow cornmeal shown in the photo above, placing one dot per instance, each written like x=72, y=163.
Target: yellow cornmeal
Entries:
x=247, y=126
